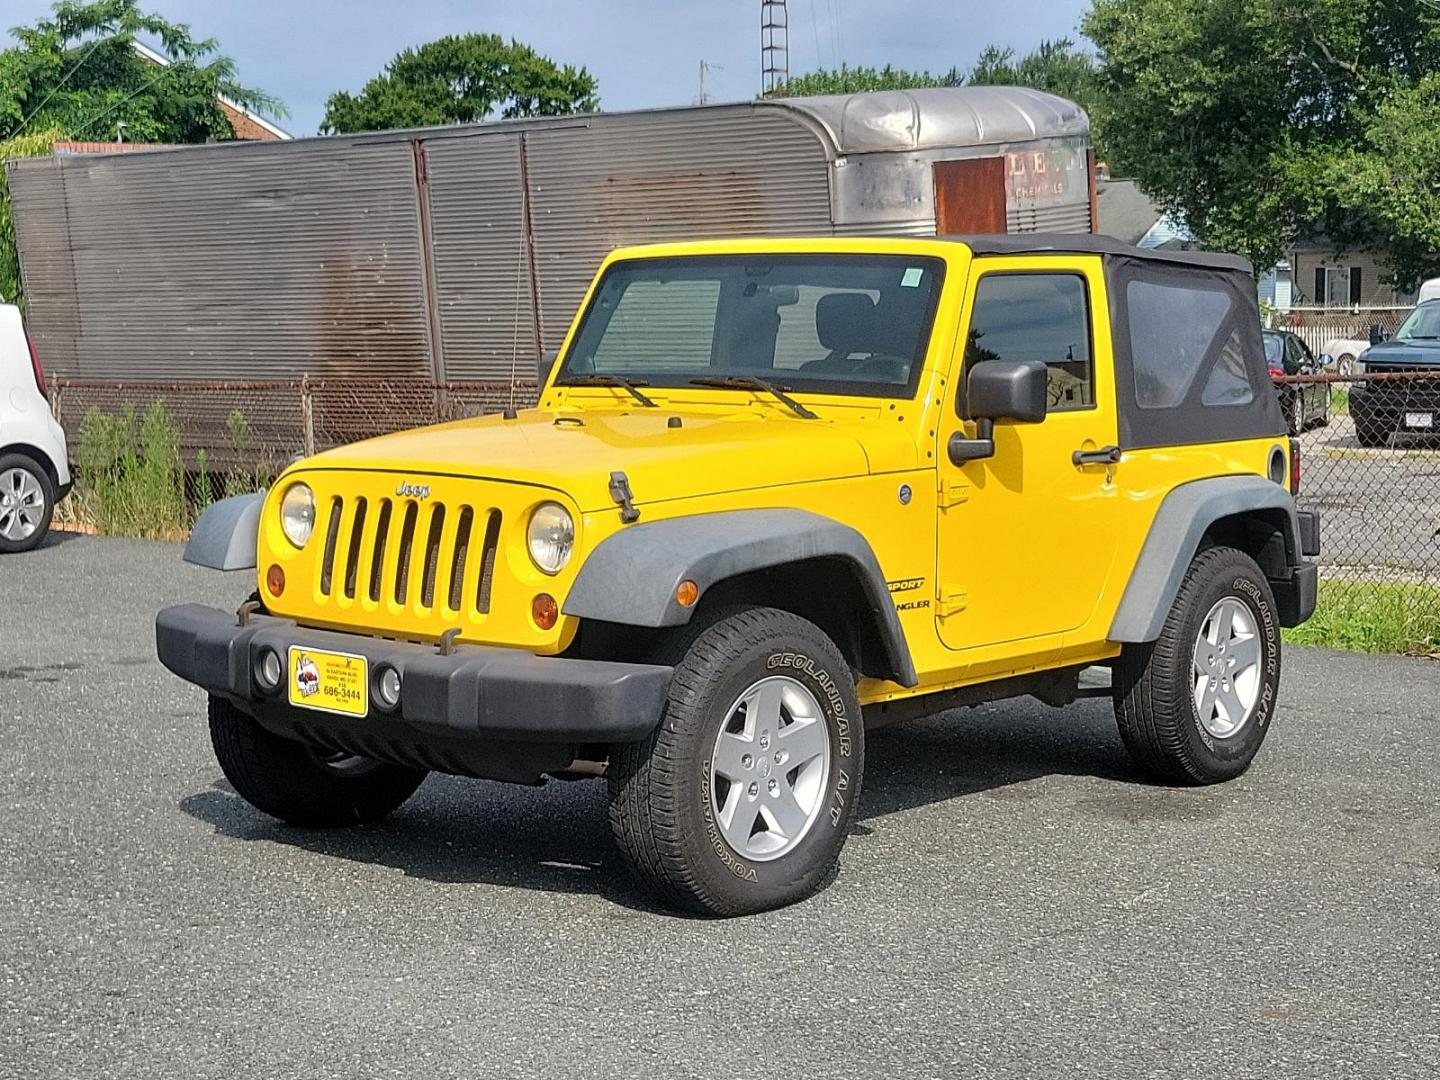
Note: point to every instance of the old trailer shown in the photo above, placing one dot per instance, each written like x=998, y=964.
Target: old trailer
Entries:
x=420, y=259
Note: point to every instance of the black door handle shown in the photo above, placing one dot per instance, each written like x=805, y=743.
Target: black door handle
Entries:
x=1106, y=455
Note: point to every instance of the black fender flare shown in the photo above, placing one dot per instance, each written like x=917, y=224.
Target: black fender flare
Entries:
x=1180, y=523
x=631, y=577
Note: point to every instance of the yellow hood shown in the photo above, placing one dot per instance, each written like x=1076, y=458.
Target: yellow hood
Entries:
x=576, y=452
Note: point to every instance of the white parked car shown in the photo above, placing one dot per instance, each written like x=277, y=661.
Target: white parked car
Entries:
x=34, y=466
x=1344, y=352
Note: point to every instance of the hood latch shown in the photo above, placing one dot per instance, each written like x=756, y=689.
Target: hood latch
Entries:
x=620, y=492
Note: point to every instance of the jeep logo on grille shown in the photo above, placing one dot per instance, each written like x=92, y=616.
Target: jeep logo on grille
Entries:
x=414, y=491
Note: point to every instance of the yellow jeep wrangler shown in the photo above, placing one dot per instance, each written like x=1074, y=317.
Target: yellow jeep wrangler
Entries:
x=774, y=493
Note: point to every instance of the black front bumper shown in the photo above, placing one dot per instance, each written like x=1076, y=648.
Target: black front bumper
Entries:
x=456, y=712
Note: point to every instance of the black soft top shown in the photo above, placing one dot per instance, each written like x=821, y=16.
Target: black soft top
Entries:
x=1185, y=326
x=1087, y=244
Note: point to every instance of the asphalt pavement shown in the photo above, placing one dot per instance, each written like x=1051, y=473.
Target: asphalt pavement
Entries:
x=1015, y=901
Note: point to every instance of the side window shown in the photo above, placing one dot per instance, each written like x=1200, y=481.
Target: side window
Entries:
x=1172, y=329
x=1037, y=317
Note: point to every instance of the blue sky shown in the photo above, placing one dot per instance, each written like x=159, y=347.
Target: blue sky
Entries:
x=644, y=53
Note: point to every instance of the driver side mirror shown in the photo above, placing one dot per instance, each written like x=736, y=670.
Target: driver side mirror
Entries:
x=1376, y=334
x=998, y=390
x=546, y=365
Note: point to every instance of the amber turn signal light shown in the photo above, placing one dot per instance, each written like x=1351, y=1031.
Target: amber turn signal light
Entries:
x=686, y=593
x=275, y=579
x=544, y=610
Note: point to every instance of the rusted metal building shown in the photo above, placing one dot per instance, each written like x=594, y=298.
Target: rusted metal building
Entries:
x=460, y=254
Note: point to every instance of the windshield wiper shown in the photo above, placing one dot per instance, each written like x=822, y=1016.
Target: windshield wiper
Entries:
x=748, y=382
x=612, y=380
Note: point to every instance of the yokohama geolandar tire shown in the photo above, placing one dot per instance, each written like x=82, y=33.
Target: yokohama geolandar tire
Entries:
x=741, y=799
x=1194, y=705
x=300, y=785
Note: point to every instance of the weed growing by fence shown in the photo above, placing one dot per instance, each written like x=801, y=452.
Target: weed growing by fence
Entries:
x=1374, y=616
x=131, y=479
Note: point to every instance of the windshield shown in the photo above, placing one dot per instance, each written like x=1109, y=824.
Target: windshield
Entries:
x=1422, y=325
x=1274, y=351
x=852, y=324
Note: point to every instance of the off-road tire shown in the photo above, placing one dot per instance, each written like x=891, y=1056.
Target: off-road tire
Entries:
x=1154, y=683
x=660, y=806
x=42, y=480
x=290, y=781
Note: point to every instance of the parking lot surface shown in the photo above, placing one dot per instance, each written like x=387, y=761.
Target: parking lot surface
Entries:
x=1015, y=901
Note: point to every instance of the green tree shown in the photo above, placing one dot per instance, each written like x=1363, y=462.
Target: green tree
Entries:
x=1060, y=67
x=78, y=72
x=1254, y=119
x=457, y=80
x=855, y=80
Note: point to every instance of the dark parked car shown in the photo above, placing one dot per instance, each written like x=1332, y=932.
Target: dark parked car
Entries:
x=1304, y=404
x=1383, y=407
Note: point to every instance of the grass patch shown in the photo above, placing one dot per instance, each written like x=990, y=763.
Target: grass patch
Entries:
x=130, y=479
x=1339, y=400
x=1374, y=617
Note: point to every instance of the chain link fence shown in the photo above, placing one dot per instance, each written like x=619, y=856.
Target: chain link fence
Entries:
x=1370, y=463
x=264, y=424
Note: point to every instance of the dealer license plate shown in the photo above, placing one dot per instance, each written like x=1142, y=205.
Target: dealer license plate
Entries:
x=1419, y=419
x=329, y=681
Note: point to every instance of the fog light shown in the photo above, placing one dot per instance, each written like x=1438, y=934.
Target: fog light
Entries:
x=544, y=611
x=387, y=688
x=275, y=579
x=267, y=671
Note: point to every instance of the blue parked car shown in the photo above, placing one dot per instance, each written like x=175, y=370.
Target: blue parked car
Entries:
x=1384, y=408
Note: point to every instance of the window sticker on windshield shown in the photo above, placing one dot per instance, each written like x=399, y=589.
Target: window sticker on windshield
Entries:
x=912, y=277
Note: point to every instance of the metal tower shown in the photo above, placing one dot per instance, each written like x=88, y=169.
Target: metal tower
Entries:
x=774, y=45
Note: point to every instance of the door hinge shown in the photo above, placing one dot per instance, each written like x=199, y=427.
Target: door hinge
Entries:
x=953, y=493
x=951, y=601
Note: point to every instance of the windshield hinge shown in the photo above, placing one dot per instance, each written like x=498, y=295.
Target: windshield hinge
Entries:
x=951, y=601
x=620, y=492
x=953, y=493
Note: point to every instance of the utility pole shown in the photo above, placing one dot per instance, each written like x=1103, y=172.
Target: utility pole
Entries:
x=774, y=46
x=704, y=98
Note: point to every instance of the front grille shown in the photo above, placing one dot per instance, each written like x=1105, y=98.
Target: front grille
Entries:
x=412, y=553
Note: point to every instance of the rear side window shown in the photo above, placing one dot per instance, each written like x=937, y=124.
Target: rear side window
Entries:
x=1190, y=354
x=1043, y=317
x=1172, y=330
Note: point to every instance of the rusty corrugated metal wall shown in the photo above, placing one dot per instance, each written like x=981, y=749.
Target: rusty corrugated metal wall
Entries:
x=225, y=262
x=47, y=260
x=388, y=256
x=656, y=177
x=480, y=257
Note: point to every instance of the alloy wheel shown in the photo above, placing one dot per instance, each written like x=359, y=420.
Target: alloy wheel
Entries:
x=22, y=504
x=1226, y=668
x=769, y=768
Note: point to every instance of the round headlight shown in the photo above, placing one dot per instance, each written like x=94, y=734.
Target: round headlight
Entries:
x=551, y=537
x=297, y=514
